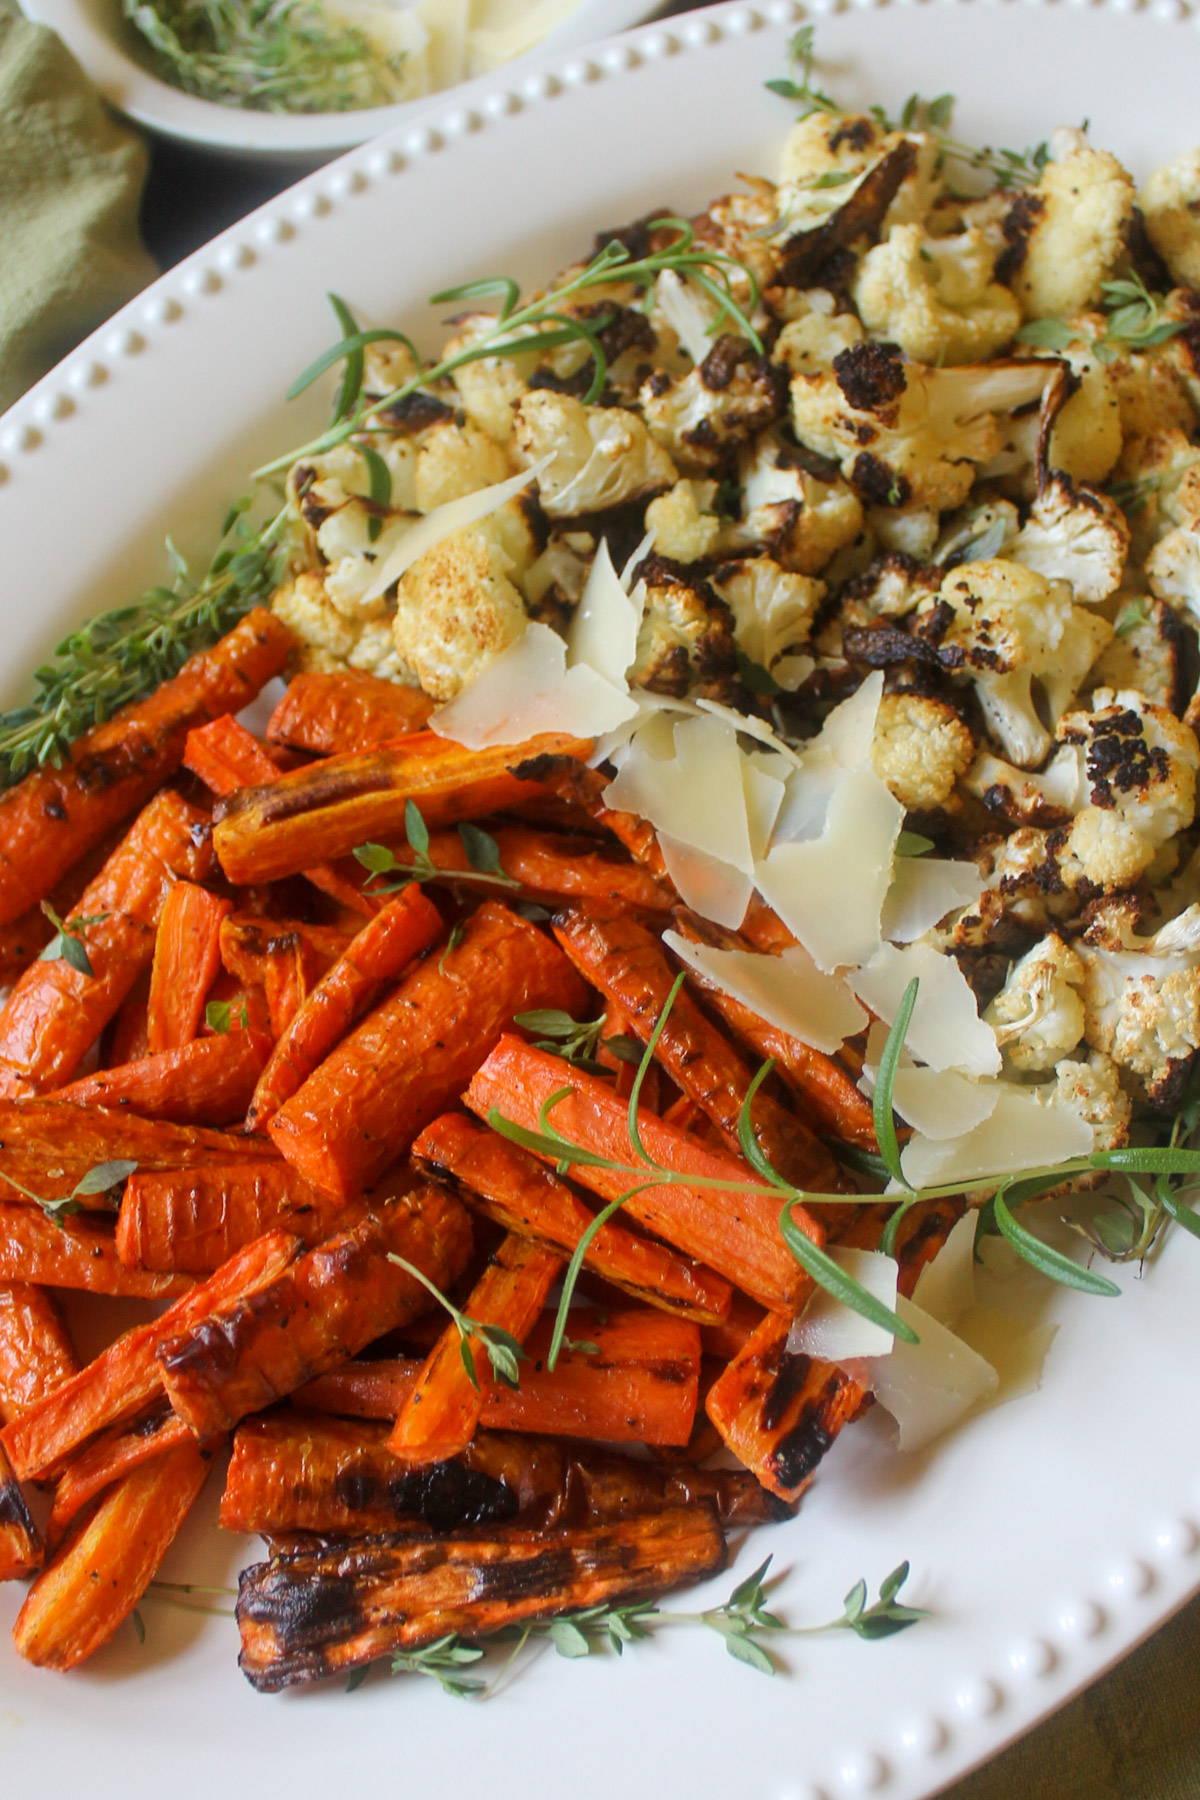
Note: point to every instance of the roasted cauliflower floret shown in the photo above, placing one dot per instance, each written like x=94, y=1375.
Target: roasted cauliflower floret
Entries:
x=809, y=344
x=457, y=609
x=455, y=460
x=1139, y=764
x=772, y=611
x=1021, y=797
x=1038, y=1015
x=802, y=519
x=1092, y=1089
x=327, y=638
x=600, y=456
x=686, y=638
x=920, y=748
x=684, y=525
x=1071, y=229
x=722, y=403
x=935, y=297
x=1173, y=570
x=1170, y=203
x=1142, y=997
x=1076, y=535
x=1145, y=654
x=824, y=143
x=1086, y=438
x=1012, y=626
x=492, y=387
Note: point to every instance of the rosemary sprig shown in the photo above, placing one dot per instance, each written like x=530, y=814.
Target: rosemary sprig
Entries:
x=122, y=655
x=67, y=944
x=100, y=1178
x=504, y=1351
x=483, y=854
x=1008, y=168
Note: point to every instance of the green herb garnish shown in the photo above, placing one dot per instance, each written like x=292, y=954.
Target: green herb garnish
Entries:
x=67, y=944
x=482, y=852
x=98, y=1180
x=504, y=1352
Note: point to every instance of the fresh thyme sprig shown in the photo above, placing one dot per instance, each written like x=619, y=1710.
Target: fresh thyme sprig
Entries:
x=524, y=330
x=576, y=1041
x=221, y=1015
x=67, y=944
x=504, y=1351
x=1008, y=168
x=100, y=1178
x=122, y=655
x=1134, y=321
x=483, y=854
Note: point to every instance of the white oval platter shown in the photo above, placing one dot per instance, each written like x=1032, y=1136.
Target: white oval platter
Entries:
x=1047, y=1537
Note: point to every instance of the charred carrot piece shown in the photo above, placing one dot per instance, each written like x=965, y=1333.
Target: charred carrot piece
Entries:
x=829, y=1096
x=52, y=818
x=639, y=1384
x=374, y=1389
x=287, y=957
x=302, y=1472
x=320, y=813
x=112, y=1456
x=328, y=712
x=48, y=1145
x=208, y=1082
x=125, y=1381
x=56, y=1010
x=397, y=1593
x=617, y=954
x=98, y=1578
x=440, y=1416
x=25, y=938
x=21, y=1550
x=36, y=1354
x=129, y=1034
x=736, y=1233
x=79, y=1253
x=730, y=1335
x=246, y=1001
x=328, y=1305
x=554, y=867
x=514, y=1189
x=187, y=955
x=191, y=1220
x=570, y=779
x=411, y=1058
x=401, y=930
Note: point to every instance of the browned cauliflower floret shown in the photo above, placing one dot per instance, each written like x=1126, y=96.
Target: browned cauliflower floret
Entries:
x=773, y=610
x=920, y=748
x=1068, y=233
x=799, y=517
x=1170, y=203
x=1146, y=654
x=491, y=387
x=1139, y=765
x=600, y=456
x=686, y=637
x=1076, y=535
x=1093, y=1090
x=721, y=404
x=935, y=297
x=326, y=638
x=1143, y=999
x=1038, y=1015
x=852, y=143
x=456, y=609
x=455, y=460
x=809, y=344
x=685, y=527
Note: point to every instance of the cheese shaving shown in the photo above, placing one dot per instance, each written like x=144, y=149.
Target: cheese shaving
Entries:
x=788, y=991
x=697, y=796
x=945, y=1030
x=443, y=522
x=712, y=888
x=1019, y=1134
x=527, y=690
x=831, y=1332
x=929, y=1386
x=923, y=891
x=946, y=1287
x=604, y=626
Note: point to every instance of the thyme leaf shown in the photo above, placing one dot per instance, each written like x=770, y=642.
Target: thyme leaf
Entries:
x=482, y=852
x=67, y=944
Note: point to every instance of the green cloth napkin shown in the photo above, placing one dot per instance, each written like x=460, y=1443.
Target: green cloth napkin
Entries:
x=70, y=183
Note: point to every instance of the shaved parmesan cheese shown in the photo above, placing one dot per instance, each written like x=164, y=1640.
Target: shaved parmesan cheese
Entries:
x=806, y=803
x=696, y=797
x=788, y=991
x=712, y=888
x=946, y=1287
x=945, y=1031
x=923, y=891
x=604, y=626
x=829, y=891
x=1016, y=1349
x=849, y=731
x=444, y=521
x=1019, y=1134
x=929, y=1386
x=527, y=690
x=942, y=1103
x=751, y=727
x=643, y=550
x=764, y=796
x=831, y=1332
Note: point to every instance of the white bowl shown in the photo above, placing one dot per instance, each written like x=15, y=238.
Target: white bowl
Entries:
x=98, y=37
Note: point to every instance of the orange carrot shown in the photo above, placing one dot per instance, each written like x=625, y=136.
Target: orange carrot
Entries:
x=125, y=1380
x=35, y=1352
x=629, y=965
x=440, y=1416
x=21, y=1550
x=375, y=1389
x=570, y=779
x=401, y=930
x=102, y=1572
x=411, y=1058
x=286, y=957
x=76, y=1253
x=514, y=1189
x=129, y=1033
x=327, y=712
x=326, y=1306
x=187, y=955
x=208, y=1082
x=53, y=817
x=322, y=812
x=246, y=1002
x=735, y=1232
x=554, y=867
x=56, y=1011
x=113, y=1455
x=192, y=1220
x=24, y=938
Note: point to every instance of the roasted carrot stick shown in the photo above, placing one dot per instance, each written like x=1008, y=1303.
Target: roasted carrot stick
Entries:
x=78, y=1253
x=406, y=925
x=35, y=1352
x=54, y=816
x=113, y=1455
x=411, y=1058
x=102, y=1572
x=629, y=965
x=21, y=1549
x=124, y=1381
x=48, y=1146
x=129, y=1035
x=736, y=1233
x=828, y=1094
x=208, y=1082
x=639, y=1384
x=570, y=779
x=375, y=1388
x=397, y=1593
x=514, y=1189
x=56, y=1011
x=554, y=867
x=187, y=955
x=24, y=938
x=327, y=712
x=328, y=1305
x=192, y=1220
x=440, y=1416
x=286, y=957
x=320, y=813
x=246, y=1002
